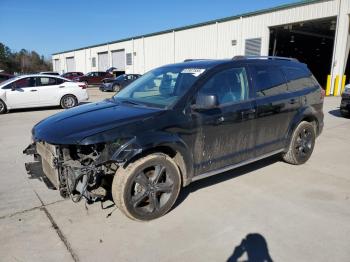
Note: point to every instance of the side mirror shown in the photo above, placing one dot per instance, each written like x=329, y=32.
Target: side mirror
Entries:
x=205, y=102
x=13, y=88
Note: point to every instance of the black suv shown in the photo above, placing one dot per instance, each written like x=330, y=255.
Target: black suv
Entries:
x=179, y=123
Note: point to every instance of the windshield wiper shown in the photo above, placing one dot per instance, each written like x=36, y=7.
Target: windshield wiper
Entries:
x=129, y=102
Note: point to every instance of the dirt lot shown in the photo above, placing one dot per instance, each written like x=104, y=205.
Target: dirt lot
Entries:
x=302, y=212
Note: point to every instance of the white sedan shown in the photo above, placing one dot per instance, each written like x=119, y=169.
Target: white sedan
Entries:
x=39, y=90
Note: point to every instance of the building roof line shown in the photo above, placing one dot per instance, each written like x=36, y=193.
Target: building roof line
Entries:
x=210, y=22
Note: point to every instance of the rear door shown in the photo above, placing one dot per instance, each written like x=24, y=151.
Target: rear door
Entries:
x=275, y=107
x=24, y=94
x=225, y=134
x=49, y=90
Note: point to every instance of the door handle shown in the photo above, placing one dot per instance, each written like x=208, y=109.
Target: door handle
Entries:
x=33, y=90
x=247, y=113
x=61, y=86
x=292, y=101
x=220, y=120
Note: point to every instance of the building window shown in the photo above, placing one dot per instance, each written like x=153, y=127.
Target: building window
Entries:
x=129, y=59
x=93, y=62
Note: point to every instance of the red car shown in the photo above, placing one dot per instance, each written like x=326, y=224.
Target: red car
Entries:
x=4, y=77
x=72, y=75
x=93, y=78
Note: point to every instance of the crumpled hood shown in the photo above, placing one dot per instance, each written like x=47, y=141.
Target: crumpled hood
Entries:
x=73, y=125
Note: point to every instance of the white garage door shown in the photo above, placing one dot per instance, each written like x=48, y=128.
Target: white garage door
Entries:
x=118, y=60
x=70, y=64
x=102, y=61
x=57, y=66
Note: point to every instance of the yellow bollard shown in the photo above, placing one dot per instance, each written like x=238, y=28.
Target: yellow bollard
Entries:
x=343, y=84
x=328, y=87
x=336, y=86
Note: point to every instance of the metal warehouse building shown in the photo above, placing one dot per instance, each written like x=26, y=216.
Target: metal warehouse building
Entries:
x=314, y=32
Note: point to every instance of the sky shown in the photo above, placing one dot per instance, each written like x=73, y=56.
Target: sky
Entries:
x=50, y=26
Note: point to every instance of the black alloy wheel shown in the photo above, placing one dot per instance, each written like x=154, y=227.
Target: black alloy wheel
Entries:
x=302, y=144
x=147, y=188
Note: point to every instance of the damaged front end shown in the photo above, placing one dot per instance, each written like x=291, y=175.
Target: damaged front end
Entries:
x=83, y=171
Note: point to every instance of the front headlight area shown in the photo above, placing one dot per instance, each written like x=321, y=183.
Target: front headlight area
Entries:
x=86, y=171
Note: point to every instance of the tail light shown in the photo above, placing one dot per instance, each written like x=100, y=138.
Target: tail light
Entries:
x=83, y=86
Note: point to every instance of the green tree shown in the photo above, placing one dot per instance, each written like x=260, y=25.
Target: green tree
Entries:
x=23, y=61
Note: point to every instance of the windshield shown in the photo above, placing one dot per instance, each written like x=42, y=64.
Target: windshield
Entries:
x=160, y=87
x=121, y=77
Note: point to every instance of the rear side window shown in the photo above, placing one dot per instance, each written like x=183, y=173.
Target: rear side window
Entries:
x=268, y=80
x=298, y=78
x=46, y=81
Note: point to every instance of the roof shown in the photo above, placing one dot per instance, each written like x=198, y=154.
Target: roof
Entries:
x=229, y=18
x=201, y=63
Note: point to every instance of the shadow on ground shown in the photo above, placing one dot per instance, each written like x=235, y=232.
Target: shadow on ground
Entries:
x=219, y=178
x=254, y=246
x=35, y=171
x=337, y=113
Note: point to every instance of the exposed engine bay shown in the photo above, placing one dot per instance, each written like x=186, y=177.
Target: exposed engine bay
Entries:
x=82, y=171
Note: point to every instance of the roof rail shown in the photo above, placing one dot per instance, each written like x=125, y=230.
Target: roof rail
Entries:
x=240, y=57
x=198, y=59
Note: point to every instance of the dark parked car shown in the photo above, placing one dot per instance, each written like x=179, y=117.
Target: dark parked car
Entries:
x=345, y=102
x=72, y=75
x=93, y=78
x=4, y=77
x=177, y=124
x=118, y=83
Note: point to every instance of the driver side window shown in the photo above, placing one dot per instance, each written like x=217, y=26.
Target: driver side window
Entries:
x=22, y=83
x=229, y=86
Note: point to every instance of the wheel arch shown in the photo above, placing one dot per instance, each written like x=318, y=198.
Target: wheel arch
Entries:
x=307, y=114
x=66, y=94
x=174, y=149
x=6, y=107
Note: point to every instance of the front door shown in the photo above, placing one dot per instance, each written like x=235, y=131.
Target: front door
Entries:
x=225, y=134
x=22, y=93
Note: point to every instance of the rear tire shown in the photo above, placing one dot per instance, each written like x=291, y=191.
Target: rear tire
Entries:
x=3, y=109
x=116, y=88
x=301, y=145
x=68, y=101
x=147, y=188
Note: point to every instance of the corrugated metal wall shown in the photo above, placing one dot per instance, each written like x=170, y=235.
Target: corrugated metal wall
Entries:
x=218, y=40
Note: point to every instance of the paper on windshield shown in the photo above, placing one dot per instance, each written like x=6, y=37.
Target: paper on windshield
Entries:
x=194, y=71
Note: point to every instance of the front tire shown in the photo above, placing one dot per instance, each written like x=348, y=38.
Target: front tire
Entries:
x=68, y=101
x=147, y=188
x=3, y=108
x=301, y=145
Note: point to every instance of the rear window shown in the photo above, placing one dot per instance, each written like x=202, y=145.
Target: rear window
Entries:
x=268, y=80
x=298, y=78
